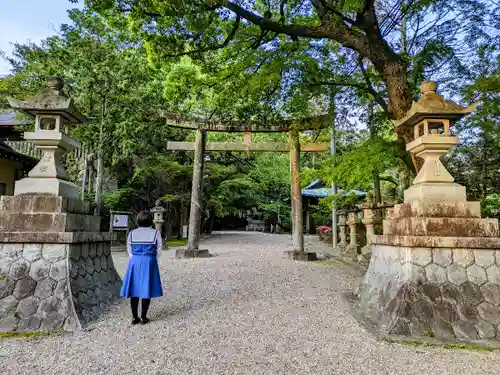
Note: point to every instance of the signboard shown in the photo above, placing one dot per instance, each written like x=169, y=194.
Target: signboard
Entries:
x=120, y=221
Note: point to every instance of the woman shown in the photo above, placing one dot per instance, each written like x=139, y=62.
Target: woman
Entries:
x=142, y=279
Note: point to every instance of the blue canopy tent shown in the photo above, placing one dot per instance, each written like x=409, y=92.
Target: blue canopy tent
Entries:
x=315, y=191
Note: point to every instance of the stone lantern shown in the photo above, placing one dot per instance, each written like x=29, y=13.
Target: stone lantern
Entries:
x=430, y=119
x=54, y=114
x=55, y=262
x=436, y=266
x=158, y=220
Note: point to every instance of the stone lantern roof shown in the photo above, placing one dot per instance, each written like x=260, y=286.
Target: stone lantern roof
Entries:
x=51, y=100
x=432, y=105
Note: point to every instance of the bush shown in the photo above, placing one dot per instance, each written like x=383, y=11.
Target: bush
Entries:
x=324, y=232
x=490, y=206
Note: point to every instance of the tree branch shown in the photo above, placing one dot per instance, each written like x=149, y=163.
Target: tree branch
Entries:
x=214, y=48
x=376, y=96
x=348, y=37
x=337, y=13
x=282, y=11
x=317, y=32
x=389, y=179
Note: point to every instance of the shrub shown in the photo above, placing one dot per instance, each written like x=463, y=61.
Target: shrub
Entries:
x=323, y=232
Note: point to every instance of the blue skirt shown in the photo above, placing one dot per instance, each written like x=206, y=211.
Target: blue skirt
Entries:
x=142, y=278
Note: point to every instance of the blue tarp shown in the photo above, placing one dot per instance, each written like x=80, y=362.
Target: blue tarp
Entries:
x=314, y=190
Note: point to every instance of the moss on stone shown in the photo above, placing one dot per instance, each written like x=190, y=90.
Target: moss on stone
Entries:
x=4, y=278
x=174, y=243
x=449, y=346
x=412, y=342
x=470, y=347
x=29, y=335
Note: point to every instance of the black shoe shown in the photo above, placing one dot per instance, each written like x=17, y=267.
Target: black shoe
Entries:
x=144, y=320
x=135, y=321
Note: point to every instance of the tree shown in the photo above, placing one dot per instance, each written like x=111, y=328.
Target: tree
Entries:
x=476, y=162
x=110, y=80
x=194, y=26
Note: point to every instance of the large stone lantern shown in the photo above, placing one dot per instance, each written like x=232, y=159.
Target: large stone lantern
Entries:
x=54, y=114
x=436, y=267
x=56, y=269
x=430, y=119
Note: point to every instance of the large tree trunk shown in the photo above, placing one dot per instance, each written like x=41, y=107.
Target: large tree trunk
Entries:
x=393, y=70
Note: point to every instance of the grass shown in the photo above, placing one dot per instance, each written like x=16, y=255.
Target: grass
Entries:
x=174, y=243
x=29, y=335
x=417, y=343
x=331, y=262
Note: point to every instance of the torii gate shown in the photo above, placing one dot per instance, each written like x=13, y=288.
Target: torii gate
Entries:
x=201, y=126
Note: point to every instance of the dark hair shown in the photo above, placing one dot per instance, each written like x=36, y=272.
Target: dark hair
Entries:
x=145, y=219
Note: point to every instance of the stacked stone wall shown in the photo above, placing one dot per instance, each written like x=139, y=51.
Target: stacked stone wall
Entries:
x=448, y=292
x=52, y=286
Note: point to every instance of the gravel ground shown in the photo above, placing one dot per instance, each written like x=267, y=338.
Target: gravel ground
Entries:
x=247, y=310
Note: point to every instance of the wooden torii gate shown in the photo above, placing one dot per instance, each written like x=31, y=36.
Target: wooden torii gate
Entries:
x=201, y=126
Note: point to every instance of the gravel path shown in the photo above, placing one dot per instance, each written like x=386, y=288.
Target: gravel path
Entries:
x=245, y=311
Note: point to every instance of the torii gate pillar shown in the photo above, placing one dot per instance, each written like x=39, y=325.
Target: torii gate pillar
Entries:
x=298, y=252
x=192, y=250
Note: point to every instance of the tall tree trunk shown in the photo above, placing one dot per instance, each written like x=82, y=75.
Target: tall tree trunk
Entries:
x=376, y=188
x=373, y=135
x=333, y=151
x=100, y=165
x=403, y=29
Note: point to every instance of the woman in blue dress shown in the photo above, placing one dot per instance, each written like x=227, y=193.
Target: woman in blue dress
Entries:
x=142, y=279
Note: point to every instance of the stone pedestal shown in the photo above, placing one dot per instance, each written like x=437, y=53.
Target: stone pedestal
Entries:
x=368, y=221
x=56, y=269
x=435, y=270
x=301, y=255
x=351, y=250
x=194, y=253
x=342, y=231
x=52, y=186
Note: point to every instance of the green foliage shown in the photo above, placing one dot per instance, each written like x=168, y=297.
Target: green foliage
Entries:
x=118, y=201
x=355, y=168
x=490, y=206
x=125, y=60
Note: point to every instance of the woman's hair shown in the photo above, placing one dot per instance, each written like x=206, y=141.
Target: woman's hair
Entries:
x=145, y=219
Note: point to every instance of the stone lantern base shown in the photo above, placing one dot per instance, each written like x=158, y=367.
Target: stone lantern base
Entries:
x=436, y=270
x=192, y=253
x=304, y=256
x=52, y=186
x=56, y=269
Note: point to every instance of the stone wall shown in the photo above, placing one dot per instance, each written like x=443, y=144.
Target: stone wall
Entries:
x=52, y=286
x=56, y=269
x=93, y=279
x=449, y=292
